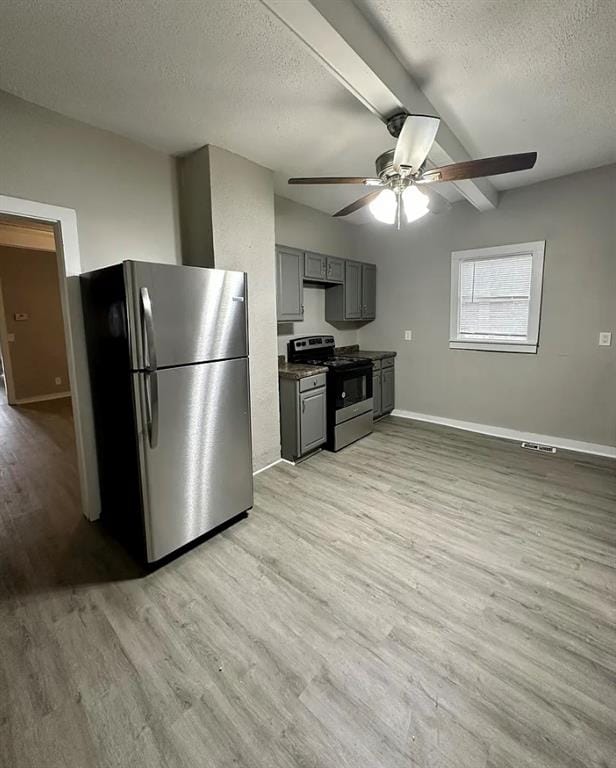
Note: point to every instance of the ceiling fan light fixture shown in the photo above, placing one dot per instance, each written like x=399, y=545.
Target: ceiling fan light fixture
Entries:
x=383, y=207
x=415, y=203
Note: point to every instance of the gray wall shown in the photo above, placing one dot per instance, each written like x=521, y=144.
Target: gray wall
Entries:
x=228, y=222
x=299, y=226
x=568, y=389
x=124, y=195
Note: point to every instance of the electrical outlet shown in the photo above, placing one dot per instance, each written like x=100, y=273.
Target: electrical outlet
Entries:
x=408, y=335
x=605, y=338
x=58, y=380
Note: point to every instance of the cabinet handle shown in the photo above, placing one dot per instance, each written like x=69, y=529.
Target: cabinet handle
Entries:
x=303, y=406
x=302, y=309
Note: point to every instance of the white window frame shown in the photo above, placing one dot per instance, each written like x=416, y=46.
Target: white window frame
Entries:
x=537, y=251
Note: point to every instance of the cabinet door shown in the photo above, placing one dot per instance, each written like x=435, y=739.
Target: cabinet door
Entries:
x=387, y=390
x=368, y=291
x=315, y=266
x=335, y=270
x=352, y=290
x=313, y=424
x=290, y=286
x=376, y=394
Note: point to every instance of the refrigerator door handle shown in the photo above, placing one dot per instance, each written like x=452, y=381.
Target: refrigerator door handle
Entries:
x=151, y=376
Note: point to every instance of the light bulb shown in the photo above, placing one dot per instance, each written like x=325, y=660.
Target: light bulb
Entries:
x=383, y=207
x=415, y=203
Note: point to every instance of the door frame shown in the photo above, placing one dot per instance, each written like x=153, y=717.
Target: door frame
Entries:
x=69, y=268
x=5, y=353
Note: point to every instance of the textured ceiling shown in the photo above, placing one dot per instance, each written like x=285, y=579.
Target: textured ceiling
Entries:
x=513, y=75
x=177, y=75
x=508, y=76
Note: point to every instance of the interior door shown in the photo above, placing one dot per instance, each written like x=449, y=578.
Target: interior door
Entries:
x=196, y=314
x=196, y=461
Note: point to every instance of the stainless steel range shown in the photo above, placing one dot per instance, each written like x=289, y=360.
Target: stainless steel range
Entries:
x=349, y=388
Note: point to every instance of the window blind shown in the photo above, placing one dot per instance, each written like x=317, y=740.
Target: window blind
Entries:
x=494, y=299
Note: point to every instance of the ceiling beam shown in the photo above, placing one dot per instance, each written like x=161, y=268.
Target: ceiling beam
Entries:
x=342, y=40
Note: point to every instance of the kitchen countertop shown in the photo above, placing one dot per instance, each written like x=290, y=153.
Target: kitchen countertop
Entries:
x=370, y=354
x=297, y=371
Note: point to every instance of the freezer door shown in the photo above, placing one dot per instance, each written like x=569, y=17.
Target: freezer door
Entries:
x=196, y=463
x=184, y=314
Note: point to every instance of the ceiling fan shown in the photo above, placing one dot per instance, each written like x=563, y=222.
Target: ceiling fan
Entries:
x=400, y=172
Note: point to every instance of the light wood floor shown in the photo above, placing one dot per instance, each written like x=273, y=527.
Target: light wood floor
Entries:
x=424, y=598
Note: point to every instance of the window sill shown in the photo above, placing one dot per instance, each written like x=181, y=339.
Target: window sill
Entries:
x=494, y=346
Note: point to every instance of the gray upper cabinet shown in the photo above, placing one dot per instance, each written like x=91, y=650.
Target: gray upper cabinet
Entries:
x=313, y=421
x=368, y=291
x=352, y=290
x=355, y=299
x=335, y=269
x=315, y=266
x=290, y=285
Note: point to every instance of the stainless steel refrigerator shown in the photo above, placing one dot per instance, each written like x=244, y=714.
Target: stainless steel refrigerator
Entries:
x=168, y=359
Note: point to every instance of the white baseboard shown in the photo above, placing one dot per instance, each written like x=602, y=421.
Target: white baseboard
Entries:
x=41, y=398
x=273, y=464
x=564, y=443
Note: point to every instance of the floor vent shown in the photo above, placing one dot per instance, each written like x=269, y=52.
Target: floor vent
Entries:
x=539, y=447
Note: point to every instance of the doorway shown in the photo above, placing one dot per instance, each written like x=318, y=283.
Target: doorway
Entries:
x=38, y=457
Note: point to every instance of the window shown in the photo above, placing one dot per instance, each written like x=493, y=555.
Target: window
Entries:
x=496, y=297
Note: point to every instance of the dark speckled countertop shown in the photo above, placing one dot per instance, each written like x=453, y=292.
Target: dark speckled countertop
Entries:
x=370, y=354
x=296, y=371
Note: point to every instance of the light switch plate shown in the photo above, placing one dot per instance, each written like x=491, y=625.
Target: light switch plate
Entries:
x=10, y=337
x=605, y=338
x=408, y=335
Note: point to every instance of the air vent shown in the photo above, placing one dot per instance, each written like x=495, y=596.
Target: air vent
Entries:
x=539, y=447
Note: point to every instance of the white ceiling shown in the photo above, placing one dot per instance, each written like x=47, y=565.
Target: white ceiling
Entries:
x=513, y=75
x=508, y=76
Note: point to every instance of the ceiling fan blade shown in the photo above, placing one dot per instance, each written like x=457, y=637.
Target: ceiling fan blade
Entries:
x=472, y=169
x=358, y=203
x=372, y=182
x=415, y=141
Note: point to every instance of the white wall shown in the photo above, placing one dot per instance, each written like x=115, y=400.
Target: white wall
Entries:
x=568, y=389
x=299, y=226
x=124, y=195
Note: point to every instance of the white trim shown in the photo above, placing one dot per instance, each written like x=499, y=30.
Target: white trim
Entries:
x=269, y=466
x=5, y=353
x=563, y=443
x=42, y=398
x=507, y=346
x=537, y=250
x=69, y=268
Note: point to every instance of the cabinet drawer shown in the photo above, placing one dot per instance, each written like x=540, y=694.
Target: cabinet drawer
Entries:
x=376, y=365
x=387, y=362
x=312, y=382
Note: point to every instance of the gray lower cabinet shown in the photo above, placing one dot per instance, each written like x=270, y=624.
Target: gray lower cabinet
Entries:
x=383, y=387
x=376, y=393
x=313, y=421
x=387, y=390
x=355, y=299
x=289, y=285
x=303, y=416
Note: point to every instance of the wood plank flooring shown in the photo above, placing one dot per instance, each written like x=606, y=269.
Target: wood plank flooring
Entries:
x=424, y=598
